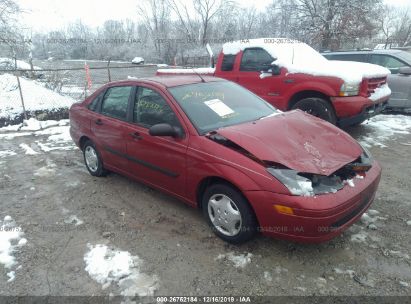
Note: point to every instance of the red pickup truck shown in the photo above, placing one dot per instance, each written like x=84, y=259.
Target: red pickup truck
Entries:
x=291, y=75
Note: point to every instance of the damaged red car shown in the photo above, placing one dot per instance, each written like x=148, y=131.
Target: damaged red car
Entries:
x=218, y=147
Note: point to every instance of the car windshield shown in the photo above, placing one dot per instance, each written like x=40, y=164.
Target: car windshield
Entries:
x=406, y=57
x=214, y=105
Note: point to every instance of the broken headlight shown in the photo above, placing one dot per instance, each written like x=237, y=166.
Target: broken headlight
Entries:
x=304, y=184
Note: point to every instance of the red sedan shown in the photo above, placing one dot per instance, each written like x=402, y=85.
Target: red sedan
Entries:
x=220, y=148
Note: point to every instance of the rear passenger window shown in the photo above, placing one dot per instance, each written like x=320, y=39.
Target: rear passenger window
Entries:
x=115, y=102
x=94, y=104
x=228, y=62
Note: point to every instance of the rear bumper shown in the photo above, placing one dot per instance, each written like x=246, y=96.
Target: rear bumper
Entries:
x=75, y=136
x=354, y=110
x=319, y=218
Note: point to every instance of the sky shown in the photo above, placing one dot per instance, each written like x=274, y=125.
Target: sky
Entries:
x=43, y=15
x=91, y=12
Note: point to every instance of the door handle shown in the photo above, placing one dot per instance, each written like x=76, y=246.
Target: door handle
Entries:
x=99, y=122
x=136, y=136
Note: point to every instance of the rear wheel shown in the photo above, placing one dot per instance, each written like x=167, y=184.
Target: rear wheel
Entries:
x=93, y=160
x=317, y=107
x=229, y=214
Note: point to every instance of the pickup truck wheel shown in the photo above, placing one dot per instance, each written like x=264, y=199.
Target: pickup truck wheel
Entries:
x=317, y=107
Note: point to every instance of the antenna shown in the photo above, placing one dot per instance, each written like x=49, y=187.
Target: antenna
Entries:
x=202, y=79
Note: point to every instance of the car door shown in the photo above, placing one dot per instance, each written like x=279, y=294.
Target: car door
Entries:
x=108, y=126
x=399, y=84
x=268, y=86
x=160, y=161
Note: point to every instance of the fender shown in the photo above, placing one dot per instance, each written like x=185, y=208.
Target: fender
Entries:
x=234, y=176
x=320, y=87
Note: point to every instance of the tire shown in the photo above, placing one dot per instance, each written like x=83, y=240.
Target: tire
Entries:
x=243, y=221
x=317, y=107
x=93, y=160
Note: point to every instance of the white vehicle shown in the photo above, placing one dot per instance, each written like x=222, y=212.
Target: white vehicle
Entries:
x=138, y=60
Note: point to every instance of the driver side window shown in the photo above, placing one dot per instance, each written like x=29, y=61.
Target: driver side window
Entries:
x=150, y=108
x=256, y=60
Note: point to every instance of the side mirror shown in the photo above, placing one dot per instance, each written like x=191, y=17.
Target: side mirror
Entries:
x=275, y=70
x=404, y=70
x=164, y=129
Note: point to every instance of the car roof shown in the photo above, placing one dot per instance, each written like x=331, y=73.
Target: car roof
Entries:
x=390, y=51
x=169, y=81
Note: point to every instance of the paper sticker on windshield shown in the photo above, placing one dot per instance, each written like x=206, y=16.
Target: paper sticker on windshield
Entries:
x=219, y=107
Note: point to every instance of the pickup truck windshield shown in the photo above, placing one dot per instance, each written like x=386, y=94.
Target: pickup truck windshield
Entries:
x=213, y=105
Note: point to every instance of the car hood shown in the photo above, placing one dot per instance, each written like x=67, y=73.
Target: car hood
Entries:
x=296, y=140
x=348, y=71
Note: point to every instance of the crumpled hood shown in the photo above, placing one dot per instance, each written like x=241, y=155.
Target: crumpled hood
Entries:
x=296, y=140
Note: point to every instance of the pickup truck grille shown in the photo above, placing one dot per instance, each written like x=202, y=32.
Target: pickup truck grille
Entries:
x=373, y=83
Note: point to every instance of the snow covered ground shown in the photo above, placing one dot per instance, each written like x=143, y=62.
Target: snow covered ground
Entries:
x=57, y=132
x=383, y=128
x=36, y=97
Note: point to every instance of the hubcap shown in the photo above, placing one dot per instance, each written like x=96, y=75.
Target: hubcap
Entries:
x=224, y=214
x=91, y=158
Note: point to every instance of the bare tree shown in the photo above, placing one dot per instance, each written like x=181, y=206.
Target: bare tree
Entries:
x=156, y=18
x=331, y=23
x=207, y=10
x=10, y=36
x=185, y=19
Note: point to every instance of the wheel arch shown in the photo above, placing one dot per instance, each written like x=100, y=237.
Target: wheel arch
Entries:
x=83, y=140
x=308, y=94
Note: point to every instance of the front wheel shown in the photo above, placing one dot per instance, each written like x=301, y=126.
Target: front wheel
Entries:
x=317, y=107
x=229, y=214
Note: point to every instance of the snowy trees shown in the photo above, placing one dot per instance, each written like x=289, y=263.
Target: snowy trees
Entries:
x=11, y=40
x=395, y=26
x=166, y=29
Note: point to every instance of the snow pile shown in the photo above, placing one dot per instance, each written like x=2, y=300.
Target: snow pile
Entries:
x=187, y=71
x=382, y=128
x=298, y=57
x=107, y=266
x=11, y=238
x=9, y=64
x=36, y=97
x=239, y=261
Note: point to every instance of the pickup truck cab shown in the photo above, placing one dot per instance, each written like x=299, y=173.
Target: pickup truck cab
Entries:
x=291, y=75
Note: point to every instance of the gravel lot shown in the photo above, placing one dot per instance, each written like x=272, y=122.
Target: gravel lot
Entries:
x=64, y=213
